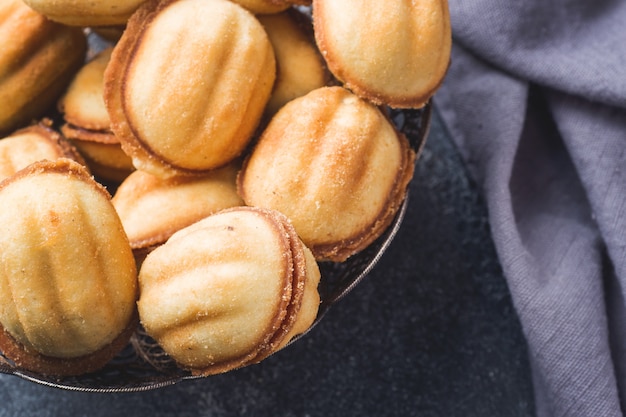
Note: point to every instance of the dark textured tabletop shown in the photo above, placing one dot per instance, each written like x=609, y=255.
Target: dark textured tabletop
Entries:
x=430, y=332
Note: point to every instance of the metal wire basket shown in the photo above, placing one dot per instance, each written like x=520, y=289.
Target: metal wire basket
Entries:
x=143, y=365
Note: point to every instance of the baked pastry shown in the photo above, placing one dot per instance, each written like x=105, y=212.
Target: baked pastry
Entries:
x=64, y=252
x=300, y=66
x=87, y=123
x=85, y=12
x=391, y=52
x=107, y=161
x=185, y=97
x=335, y=166
x=270, y=6
x=82, y=105
x=32, y=144
x=227, y=291
x=38, y=59
x=152, y=209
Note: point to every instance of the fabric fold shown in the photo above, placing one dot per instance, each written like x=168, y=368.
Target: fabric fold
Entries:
x=539, y=118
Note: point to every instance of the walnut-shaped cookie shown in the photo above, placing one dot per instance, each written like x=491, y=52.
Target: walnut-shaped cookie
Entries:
x=185, y=96
x=392, y=52
x=31, y=144
x=87, y=123
x=38, y=59
x=229, y=290
x=68, y=278
x=335, y=166
x=300, y=66
x=86, y=12
x=152, y=208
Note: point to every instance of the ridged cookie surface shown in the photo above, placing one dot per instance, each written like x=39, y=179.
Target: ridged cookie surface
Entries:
x=229, y=290
x=335, y=166
x=185, y=95
x=392, y=52
x=68, y=278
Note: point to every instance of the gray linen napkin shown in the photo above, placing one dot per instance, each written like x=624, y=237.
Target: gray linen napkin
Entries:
x=535, y=99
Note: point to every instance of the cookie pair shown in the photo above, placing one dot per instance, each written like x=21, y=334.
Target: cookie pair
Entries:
x=229, y=290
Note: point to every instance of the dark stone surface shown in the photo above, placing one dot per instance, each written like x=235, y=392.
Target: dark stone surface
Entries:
x=430, y=332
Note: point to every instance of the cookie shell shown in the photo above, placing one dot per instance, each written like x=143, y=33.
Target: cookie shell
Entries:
x=31, y=144
x=38, y=59
x=335, y=166
x=185, y=97
x=224, y=292
x=87, y=122
x=86, y=12
x=104, y=157
x=300, y=66
x=63, y=252
x=82, y=105
x=152, y=208
x=394, y=52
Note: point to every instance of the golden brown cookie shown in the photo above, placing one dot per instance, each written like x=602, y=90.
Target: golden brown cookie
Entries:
x=107, y=161
x=87, y=123
x=335, y=166
x=86, y=12
x=64, y=252
x=32, y=144
x=227, y=291
x=38, y=59
x=300, y=67
x=82, y=105
x=392, y=52
x=152, y=209
x=185, y=96
x=270, y=6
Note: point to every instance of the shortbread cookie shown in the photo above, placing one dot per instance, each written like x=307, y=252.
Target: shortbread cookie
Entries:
x=335, y=166
x=68, y=279
x=38, y=59
x=31, y=144
x=227, y=291
x=300, y=66
x=152, y=209
x=87, y=123
x=185, y=96
x=86, y=12
x=391, y=52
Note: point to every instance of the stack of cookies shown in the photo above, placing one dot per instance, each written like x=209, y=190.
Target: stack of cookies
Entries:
x=242, y=143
